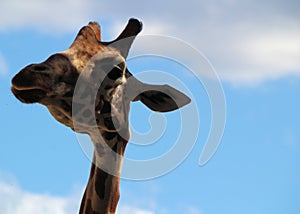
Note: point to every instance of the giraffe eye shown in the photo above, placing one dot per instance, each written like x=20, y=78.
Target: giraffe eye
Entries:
x=111, y=124
x=106, y=108
x=115, y=73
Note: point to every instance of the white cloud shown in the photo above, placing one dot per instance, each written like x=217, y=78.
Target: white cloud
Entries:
x=45, y=15
x=18, y=201
x=256, y=54
x=132, y=210
x=246, y=41
x=3, y=65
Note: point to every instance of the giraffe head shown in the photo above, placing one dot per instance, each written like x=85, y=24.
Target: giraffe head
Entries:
x=90, y=85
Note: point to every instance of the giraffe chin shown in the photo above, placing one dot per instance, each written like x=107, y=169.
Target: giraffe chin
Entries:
x=29, y=96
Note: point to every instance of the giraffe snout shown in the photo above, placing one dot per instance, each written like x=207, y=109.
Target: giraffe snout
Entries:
x=24, y=87
x=22, y=80
x=30, y=76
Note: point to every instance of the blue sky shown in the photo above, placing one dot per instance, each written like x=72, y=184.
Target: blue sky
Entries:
x=254, y=47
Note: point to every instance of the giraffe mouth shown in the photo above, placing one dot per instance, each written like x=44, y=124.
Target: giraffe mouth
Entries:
x=28, y=95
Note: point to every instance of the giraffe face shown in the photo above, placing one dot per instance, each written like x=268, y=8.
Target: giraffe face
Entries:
x=35, y=82
x=99, y=104
x=50, y=83
x=88, y=86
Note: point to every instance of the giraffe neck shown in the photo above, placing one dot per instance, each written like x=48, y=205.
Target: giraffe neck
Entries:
x=102, y=192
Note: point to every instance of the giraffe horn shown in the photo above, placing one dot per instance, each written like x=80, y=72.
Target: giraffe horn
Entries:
x=96, y=28
x=124, y=41
x=87, y=35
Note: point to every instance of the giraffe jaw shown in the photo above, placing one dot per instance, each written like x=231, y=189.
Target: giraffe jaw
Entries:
x=28, y=95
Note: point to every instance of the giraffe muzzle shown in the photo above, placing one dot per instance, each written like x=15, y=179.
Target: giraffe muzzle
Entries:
x=28, y=96
x=23, y=88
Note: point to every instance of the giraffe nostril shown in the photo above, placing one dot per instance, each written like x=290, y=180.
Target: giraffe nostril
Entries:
x=39, y=67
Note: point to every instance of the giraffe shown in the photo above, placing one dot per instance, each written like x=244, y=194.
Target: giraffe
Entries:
x=97, y=69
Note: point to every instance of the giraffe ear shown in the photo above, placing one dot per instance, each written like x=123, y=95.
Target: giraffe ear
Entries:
x=162, y=98
x=126, y=38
